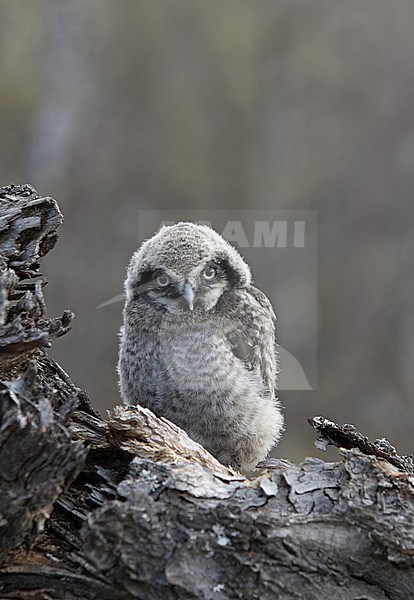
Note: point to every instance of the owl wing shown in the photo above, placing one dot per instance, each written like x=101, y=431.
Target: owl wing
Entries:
x=253, y=337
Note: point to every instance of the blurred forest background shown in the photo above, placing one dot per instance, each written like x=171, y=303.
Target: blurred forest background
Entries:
x=112, y=107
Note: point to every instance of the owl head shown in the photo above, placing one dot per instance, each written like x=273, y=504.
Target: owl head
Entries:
x=185, y=267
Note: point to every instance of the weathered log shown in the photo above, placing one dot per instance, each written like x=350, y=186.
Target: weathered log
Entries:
x=131, y=507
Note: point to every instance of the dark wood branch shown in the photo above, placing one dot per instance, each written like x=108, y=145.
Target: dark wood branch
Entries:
x=133, y=508
x=28, y=226
x=347, y=436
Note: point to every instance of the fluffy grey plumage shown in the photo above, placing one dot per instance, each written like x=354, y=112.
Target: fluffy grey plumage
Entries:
x=198, y=343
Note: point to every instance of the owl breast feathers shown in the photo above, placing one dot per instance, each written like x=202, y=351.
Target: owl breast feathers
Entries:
x=198, y=344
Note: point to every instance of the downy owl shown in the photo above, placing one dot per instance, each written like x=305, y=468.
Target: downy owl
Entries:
x=198, y=344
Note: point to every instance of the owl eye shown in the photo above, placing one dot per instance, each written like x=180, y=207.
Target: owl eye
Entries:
x=209, y=273
x=163, y=280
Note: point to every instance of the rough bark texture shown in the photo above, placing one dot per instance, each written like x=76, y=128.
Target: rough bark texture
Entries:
x=133, y=508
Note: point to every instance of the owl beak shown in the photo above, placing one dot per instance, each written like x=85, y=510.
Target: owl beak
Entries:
x=188, y=295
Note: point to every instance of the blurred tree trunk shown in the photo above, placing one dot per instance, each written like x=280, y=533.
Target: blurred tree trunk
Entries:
x=133, y=508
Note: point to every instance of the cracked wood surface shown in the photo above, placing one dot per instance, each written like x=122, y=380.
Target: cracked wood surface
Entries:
x=28, y=226
x=131, y=507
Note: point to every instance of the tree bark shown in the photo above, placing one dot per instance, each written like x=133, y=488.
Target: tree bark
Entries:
x=131, y=507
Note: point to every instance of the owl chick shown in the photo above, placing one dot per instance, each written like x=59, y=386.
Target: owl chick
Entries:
x=198, y=344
